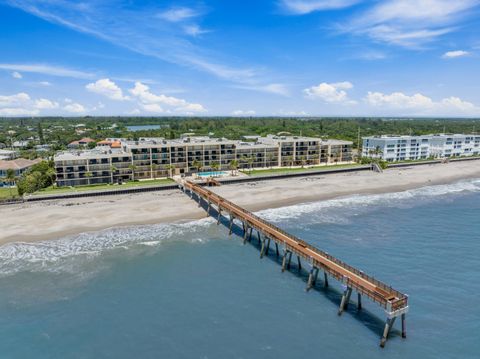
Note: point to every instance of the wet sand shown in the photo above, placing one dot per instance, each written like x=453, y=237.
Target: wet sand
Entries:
x=58, y=218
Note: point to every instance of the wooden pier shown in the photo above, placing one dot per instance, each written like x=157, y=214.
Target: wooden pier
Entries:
x=392, y=301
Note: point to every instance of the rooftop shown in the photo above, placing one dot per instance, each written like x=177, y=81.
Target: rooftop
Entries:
x=97, y=152
x=18, y=164
x=430, y=136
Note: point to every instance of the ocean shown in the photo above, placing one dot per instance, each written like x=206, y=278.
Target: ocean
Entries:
x=191, y=291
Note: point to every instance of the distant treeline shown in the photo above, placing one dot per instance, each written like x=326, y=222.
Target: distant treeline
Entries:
x=62, y=130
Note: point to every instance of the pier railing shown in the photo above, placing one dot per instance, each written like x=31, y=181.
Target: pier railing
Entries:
x=394, y=302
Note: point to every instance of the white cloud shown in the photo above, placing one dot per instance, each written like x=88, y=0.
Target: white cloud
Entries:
x=152, y=107
x=330, y=92
x=282, y=112
x=277, y=89
x=14, y=100
x=419, y=104
x=21, y=104
x=18, y=112
x=243, y=113
x=178, y=14
x=45, y=83
x=163, y=40
x=399, y=100
x=410, y=23
x=372, y=55
x=16, y=75
x=152, y=102
x=74, y=107
x=107, y=88
x=45, y=104
x=301, y=7
x=454, y=54
x=194, y=30
x=47, y=70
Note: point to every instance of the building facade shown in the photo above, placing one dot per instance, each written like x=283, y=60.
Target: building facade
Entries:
x=158, y=157
x=402, y=148
x=18, y=166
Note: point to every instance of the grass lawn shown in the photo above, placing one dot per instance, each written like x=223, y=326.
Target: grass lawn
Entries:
x=5, y=193
x=103, y=187
x=292, y=170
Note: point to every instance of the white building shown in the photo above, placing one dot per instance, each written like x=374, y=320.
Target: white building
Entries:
x=401, y=148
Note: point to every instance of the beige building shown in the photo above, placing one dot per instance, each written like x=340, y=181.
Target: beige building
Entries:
x=158, y=157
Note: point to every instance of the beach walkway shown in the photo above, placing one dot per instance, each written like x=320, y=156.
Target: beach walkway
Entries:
x=392, y=301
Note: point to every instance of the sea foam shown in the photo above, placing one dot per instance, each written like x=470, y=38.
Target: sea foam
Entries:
x=54, y=255
x=51, y=255
x=356, y=204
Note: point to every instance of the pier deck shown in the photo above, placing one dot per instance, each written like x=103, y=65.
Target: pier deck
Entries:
x=392, y=301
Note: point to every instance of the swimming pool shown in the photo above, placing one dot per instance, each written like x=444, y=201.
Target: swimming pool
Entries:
x=212, y=174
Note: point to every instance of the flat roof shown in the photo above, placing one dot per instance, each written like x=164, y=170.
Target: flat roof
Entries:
x=88, y=154
x=430, y=136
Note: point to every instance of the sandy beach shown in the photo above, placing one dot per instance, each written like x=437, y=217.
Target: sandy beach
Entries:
x=58, y=218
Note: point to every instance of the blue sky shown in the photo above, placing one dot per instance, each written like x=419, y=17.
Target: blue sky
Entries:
x=268, y=57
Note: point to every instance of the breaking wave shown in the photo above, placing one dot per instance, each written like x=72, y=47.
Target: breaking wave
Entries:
x=53, y=255
x=327, y=211
x=72, y=253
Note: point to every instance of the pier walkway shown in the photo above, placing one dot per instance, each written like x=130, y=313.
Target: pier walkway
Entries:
x=392, y=301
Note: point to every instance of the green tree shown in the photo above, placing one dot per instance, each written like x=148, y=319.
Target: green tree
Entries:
x=215, y=166
x=113, y=172
x=133, y=168
x=289, y=160
x=233, y=165
x=170, y=169
x=302, y=161
x=270, y=159
x=51, y=174
x=88, y=175
x=10, y=179
x=198, y=165
x=40, y=133
x=250, y=161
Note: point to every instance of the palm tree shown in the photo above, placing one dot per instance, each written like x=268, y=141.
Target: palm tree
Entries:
x=198, y=165
x=270, y=158
x=170, y=169
x=250, y=161
x=302, y=161
x=153, y=167
x=289, y=160
x=10, y=179
x=132, y=168
x=88, y=175
x=378, y=152
x=113, y=170
x=215, y=166
x=233, y=165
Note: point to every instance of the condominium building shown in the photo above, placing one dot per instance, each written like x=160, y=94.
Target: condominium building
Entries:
x=400, y=148
x=74, y=168
x=158, y=157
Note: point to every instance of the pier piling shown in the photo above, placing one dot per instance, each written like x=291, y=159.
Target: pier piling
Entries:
x=394, y=302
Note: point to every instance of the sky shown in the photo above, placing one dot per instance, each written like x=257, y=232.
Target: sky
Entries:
x=240, y=58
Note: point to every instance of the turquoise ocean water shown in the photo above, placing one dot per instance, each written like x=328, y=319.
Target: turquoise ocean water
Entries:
x=188, y=291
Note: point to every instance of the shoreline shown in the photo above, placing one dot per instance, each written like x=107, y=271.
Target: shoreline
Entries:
x=36, y=221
